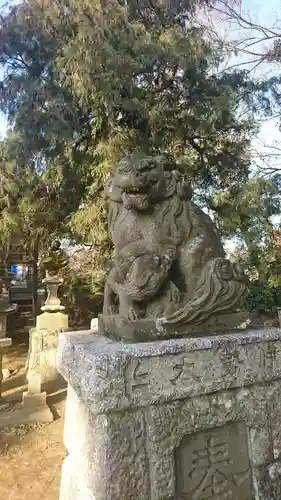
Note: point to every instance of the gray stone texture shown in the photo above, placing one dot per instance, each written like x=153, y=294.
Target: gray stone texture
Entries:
x=4, y=344
x=190, y=419
x=218, y=461
x=6, y=308
x=41, y=365
x=43, y=344
x=33, y=408
x=170, y=276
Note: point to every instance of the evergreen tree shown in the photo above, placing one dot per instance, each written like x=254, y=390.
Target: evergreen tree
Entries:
x=86, y=82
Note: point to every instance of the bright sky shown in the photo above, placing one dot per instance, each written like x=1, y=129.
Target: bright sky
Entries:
x=268, y=14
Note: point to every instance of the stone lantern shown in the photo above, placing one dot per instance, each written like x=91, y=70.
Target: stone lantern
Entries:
x=6, y=308
x=41, y=366
x=52, y=264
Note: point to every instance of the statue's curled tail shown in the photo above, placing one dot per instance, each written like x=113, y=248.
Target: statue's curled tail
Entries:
x=220, y=290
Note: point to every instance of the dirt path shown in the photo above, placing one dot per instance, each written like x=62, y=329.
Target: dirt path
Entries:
x=30, y=456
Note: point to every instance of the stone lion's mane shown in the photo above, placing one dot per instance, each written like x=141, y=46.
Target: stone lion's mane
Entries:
x=171, y=208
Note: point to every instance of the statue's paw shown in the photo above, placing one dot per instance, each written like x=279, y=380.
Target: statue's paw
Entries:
x=109, y=310
x=132, y=315
x=175, y=295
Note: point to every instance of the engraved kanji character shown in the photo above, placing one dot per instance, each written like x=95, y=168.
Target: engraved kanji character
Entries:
x=213, y=483
x=182, y=370
x=138, y=377
x=267, y=356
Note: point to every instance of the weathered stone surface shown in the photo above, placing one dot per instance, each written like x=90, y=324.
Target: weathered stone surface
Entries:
x=218, y=463
x=192, y=419
x=11, y=308
x=4, y=344
x=32, y=400
x=44, y=338
x=53, y=303
x=96, y=440
x=170, y=275
x=43, y=346
x=94, y=324
x=6, y=308
x=53, y=321
x=53, y=259
x=3, y=324
x=113, y=375
x=169, y=424
x=149, y=329
x=34, y=382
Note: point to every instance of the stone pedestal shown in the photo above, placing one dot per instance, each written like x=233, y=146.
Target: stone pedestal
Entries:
x=33, y=408
x=192, y=419
x=43, y=340
x=34, y=399
x=43, y=347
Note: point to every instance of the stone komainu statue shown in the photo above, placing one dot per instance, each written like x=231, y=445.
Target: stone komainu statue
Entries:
x=170, y=276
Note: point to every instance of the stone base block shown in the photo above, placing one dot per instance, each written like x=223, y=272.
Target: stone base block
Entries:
x=54, y=321
x=17, y=414
x=144, y=330
x=43, y=351
x=32, y=400
x=95, y=324
x=190, y=419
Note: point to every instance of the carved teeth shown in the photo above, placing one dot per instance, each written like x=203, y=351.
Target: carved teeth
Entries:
x=132, y=190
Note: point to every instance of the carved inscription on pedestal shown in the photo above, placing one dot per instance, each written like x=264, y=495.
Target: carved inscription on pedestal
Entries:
x=137, y=378
x=187, y=374
x=214, y=465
